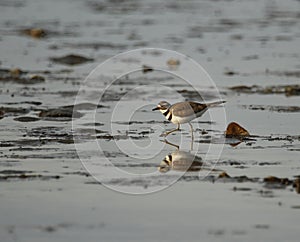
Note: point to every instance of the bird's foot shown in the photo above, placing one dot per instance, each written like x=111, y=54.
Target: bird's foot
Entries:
x=169, y=132
x=164, y=135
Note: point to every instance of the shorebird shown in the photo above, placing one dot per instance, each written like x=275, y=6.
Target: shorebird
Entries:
x=183, y=112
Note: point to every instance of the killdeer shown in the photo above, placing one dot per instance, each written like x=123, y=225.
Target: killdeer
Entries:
x=183, y=112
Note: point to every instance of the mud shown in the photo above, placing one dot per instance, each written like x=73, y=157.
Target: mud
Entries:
x=288, y=90
x=71, y=60
x=249, y=193
x=280, y=109
x=60, y=114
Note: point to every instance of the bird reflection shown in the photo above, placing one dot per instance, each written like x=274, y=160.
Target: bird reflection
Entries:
x=182, y=161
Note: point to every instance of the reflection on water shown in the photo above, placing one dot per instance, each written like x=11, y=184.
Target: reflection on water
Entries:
x=182, y=161
x=296, y=185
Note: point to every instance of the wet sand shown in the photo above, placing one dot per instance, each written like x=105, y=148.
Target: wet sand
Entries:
x=249, y=49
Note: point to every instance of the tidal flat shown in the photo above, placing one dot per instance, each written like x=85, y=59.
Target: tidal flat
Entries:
x=249, y=192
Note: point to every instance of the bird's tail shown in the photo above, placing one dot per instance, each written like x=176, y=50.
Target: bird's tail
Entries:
x=215, y=104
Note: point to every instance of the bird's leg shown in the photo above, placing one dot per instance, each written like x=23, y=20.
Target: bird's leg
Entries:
x=169, y=143
x=192, y=131
x=171, y=131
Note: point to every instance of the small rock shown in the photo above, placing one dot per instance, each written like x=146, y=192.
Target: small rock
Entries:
x=224, y=175
x=147, y=68
x=16, y=72
x=35, y=33
x=36, y=78
x=173, y=63
x=230, y=73
x=235, y=130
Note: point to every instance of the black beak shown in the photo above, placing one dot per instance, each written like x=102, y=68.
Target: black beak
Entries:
x=156, y=108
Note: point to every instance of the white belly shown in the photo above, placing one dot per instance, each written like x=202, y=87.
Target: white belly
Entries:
x=182, y=120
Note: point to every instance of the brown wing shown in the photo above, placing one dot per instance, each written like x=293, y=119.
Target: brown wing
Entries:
x=188, y=108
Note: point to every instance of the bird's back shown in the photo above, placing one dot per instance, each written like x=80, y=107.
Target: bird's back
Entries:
x=184, y=109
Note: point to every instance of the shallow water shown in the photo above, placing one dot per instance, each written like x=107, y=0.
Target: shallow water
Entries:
x=46, y=192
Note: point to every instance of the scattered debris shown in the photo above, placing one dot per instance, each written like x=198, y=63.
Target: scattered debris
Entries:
x=295, y=207
x=2, y=114
x=26, y=119
x=277, y=180
x=227, y=178
x=24, y=102
x=92, y=45
x=84, y=106
x=9, y=175
x=223, y=175
x=147, y=69
x=296, y=185
x=112, y=137
x=262, y=226
x=281, y=109
x=292, y=90
x=71, y=59
x=243, y=89
x=19, y=76
x=60, y=113
x=173, y=63
x=288, y=90
x=242, y=189
x=40, y=33
x=123, y=7
x=285, y=73
x=36, y=33
x=14, y=111
x=37, y=78
x=93, y=124
x=16, y=72
x=230, y=73
x=251, y=57
x=80, y=173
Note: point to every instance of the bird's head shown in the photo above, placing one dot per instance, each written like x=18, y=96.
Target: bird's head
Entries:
x=162, y=106
x=166, y=164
